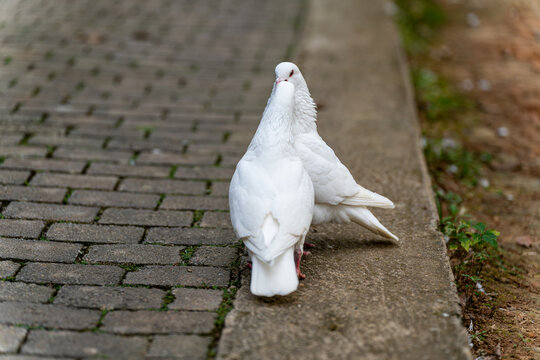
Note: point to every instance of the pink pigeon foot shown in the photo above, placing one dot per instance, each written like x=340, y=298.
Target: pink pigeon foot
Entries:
x=297, y=257
x=305, y=253
x=309, y=245
x=249, y=266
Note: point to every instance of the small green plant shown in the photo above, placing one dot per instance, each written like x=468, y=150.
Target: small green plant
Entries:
x=197, y=217
x=187, y=254
x=173, y=171
x=446, y=156
x=146, y=130
x=470, y=244
x=435, y=95
x=417, y=21
x=169, y=298
x=68, y=194
x=468, y=235
x=226, y=306
x=130, y=267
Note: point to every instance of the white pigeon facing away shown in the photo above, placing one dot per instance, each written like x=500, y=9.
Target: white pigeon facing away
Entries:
x=271, y=199
x=338, y=198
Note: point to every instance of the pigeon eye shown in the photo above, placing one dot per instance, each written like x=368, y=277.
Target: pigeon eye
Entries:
x=292, y=73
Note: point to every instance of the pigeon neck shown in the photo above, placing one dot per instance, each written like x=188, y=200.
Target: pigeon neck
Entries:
x=275, y=130
x=305, y=111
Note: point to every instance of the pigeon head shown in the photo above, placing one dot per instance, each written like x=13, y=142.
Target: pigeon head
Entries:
x=288, y=72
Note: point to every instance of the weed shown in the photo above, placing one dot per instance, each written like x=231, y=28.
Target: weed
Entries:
x=130, y=267
x=225, y=306
x=173, y=171
x=67, y=195
x=147, y=130
x=470, y=244
x=104, y=312
x=187, y=254
x=446, y=156
x=417, y=21
x=197, y=217
x=160, y=200
x=169, y=298
x=436, y=97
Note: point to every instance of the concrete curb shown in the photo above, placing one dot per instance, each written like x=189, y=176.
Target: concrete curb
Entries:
x=363, y=299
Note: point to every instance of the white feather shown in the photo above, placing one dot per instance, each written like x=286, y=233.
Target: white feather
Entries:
x=271, y=199
x=338, y=198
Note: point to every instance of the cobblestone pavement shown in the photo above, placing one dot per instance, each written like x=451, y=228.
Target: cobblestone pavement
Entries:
x=120, y=125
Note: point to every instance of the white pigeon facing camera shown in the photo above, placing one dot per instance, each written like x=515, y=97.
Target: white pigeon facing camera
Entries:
x=271, y=199
x=338, y=198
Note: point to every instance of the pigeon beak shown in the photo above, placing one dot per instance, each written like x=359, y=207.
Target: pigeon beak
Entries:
x=278, y=80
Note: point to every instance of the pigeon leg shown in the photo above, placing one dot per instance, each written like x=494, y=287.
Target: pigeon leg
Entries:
x=297, y=257
x=309, y=245
x=249, y=266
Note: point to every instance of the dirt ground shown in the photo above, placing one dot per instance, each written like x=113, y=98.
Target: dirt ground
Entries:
x=490, y=51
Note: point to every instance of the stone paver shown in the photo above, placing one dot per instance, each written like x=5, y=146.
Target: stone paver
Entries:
x=108, y=198
x=184, y=347
x=26, y=210
x=220, y=188
x=109, y=297
x=196, y=299
x=203, y=173
x=44, y=164
x=194, y=203
x=129, y=170
x=75, y=181
x=11, y=338
x=216, y=219
x=163, y=186
x=24, y=193
x=53, y=316
x=136, y=254
x=158, y=322
x=146, y=217
x=21, y=228
x=38, y=250
x=13, y=177
x=8, y=268
x=94, y=233
x=178, y=275
x=15, y=291
x=29, y=357
x=214, y=255
x=71, y=274
x=92, y=155
x=120, y=125
x=86, y=345
x=190, y=236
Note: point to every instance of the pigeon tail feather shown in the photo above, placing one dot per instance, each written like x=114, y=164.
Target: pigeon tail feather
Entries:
x=364, y=197
x=364, y=217
x=275, y=278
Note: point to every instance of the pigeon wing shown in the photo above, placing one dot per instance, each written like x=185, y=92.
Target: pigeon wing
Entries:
x=270, y=207
x=332, y=181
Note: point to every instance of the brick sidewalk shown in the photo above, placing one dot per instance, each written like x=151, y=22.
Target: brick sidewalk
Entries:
x=120, y=125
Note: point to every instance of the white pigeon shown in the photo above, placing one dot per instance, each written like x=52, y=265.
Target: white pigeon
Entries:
x=338, y=198
x=271, y=199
